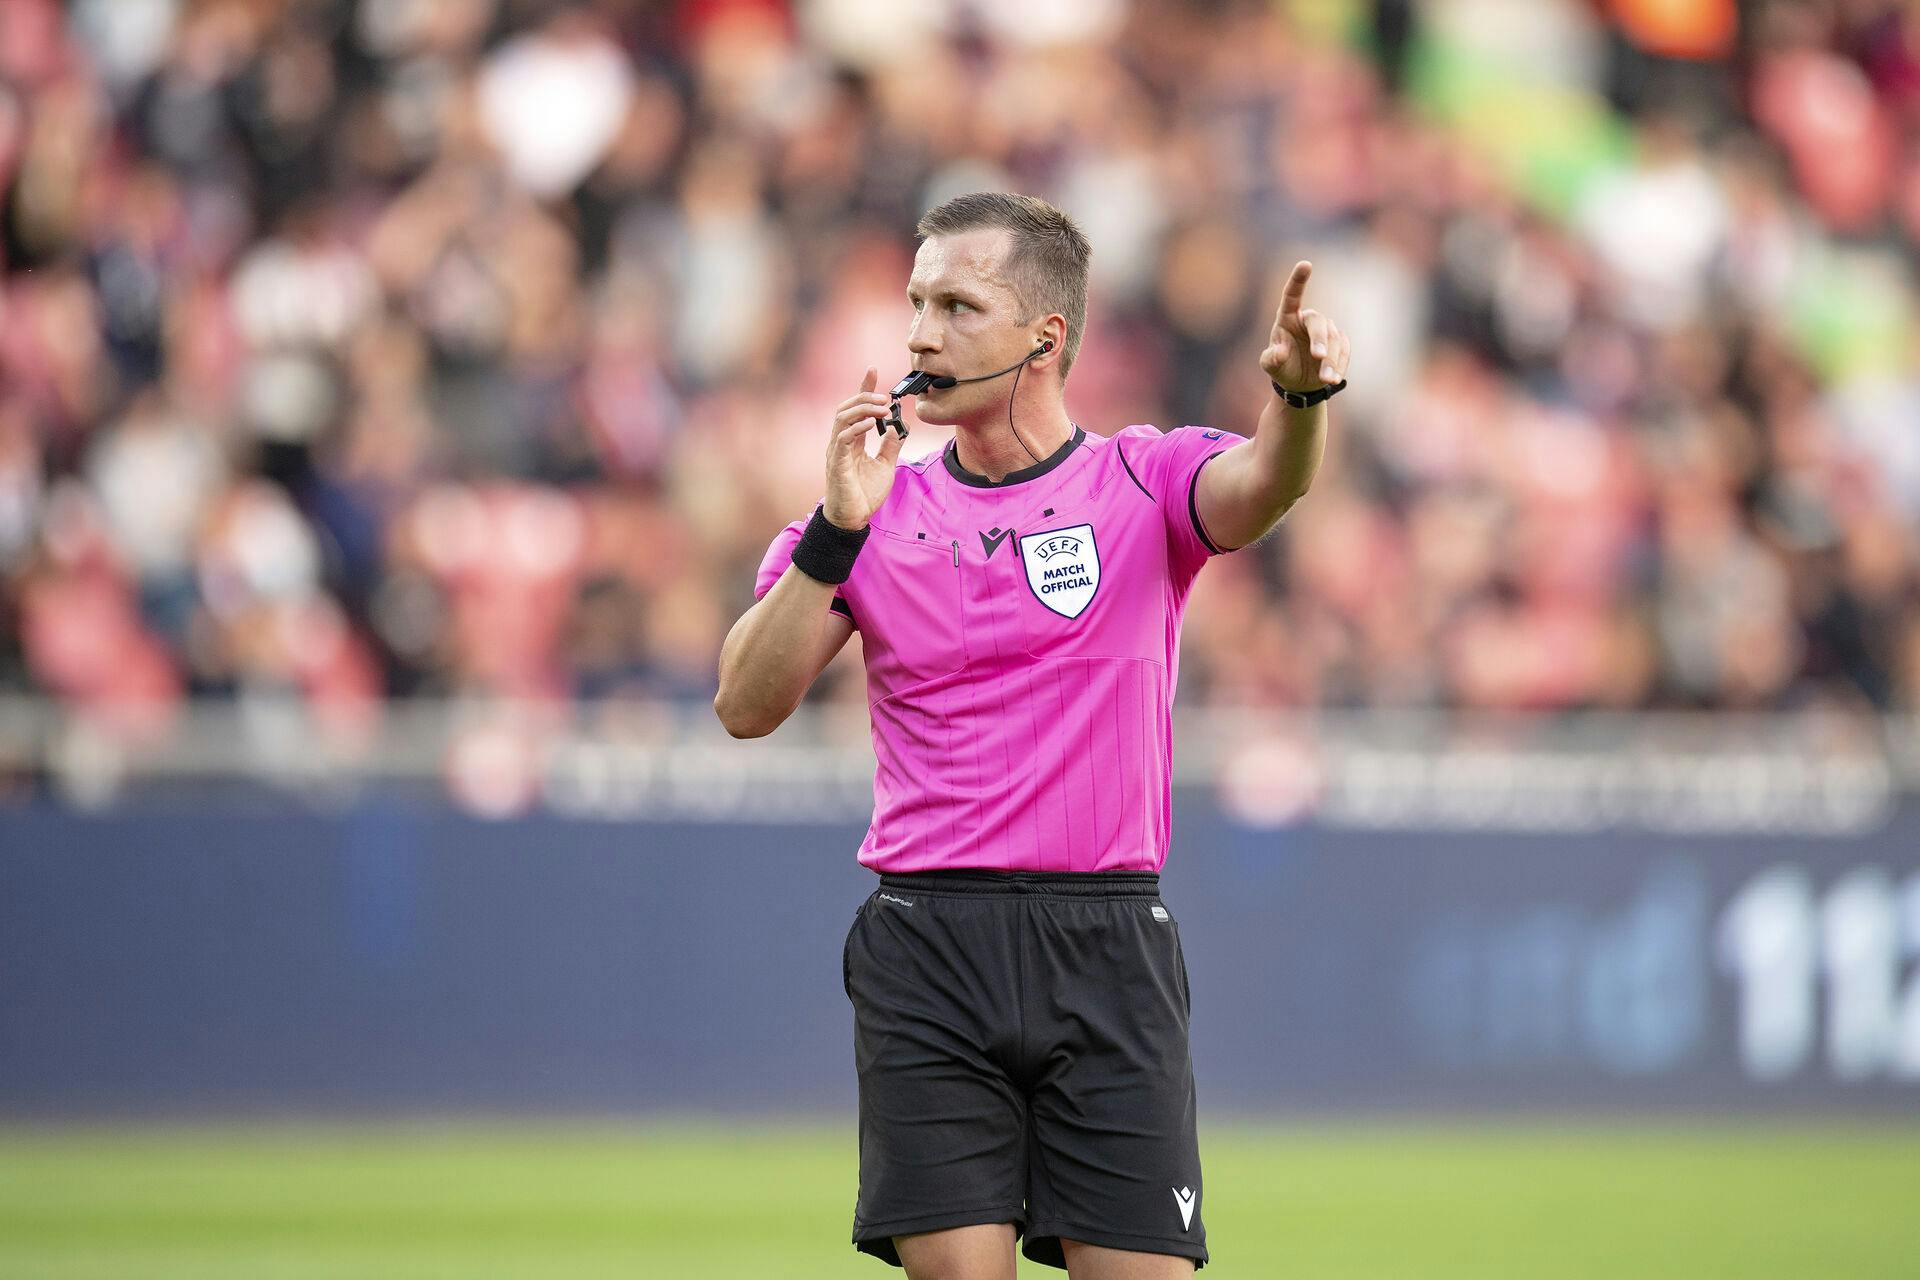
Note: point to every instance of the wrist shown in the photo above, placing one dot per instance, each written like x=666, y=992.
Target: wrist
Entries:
x=826, y=551
x=1307, y=399
x=840, y=523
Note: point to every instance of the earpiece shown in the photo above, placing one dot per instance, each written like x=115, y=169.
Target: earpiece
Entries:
x=1046, y=345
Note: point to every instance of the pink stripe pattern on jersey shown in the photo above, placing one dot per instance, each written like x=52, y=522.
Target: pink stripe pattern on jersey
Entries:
x=1021, y=642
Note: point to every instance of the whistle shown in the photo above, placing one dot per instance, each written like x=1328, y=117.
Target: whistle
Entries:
x=911, y=385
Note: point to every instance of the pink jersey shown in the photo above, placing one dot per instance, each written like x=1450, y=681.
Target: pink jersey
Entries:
x=1022, y=646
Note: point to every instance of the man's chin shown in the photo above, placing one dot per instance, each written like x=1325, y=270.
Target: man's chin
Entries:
x=930, y=411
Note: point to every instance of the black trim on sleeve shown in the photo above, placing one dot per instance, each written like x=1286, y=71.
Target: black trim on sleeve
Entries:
x=1193, y=506
x=835, y=605
x=1136, y=479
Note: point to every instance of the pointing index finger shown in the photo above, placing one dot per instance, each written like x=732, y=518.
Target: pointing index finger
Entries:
x=1296, y=289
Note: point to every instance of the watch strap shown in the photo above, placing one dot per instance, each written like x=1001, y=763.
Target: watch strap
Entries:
x=1307, y=399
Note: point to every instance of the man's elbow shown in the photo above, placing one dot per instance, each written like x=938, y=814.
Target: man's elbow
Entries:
x=1261, y=526
x=1278, y=511
x=741, y=723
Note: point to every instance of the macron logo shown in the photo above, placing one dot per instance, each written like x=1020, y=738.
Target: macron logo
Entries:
x=1184, y=1197
x=992, y=544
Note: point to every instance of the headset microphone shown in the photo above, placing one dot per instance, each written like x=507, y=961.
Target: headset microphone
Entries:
x=942, y=383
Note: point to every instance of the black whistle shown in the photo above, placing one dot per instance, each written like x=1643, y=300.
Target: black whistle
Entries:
x=911, y=385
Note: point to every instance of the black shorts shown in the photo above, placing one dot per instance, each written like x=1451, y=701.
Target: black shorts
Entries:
x=1021, y=1039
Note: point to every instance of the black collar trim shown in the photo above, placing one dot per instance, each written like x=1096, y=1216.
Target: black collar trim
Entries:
x=1034, y=472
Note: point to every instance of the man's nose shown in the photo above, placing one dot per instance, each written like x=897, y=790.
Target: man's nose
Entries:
x=923, y=337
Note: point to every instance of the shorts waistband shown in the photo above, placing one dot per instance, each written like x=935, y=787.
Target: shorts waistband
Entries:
x=1061, y=884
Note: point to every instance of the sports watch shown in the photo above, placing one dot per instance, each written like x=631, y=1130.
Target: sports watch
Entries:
x=1307, y=399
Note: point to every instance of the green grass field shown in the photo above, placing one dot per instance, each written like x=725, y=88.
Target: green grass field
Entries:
x=1801, y=1202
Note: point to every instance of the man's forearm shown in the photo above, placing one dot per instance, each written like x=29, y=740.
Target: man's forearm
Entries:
x=1288, y=446
x=1262, y=479
x=1306, y=352
x=768, y=658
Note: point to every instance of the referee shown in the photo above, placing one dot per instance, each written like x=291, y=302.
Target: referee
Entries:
x=1020, y=999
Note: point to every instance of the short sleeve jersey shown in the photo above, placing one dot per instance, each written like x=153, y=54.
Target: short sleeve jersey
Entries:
x=1021, y=641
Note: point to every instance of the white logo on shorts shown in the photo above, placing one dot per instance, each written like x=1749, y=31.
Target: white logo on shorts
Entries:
x=1160, y=914
x=887, y=897
x=1185, y=1198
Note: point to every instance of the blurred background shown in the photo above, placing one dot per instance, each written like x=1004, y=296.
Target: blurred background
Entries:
x=396, y=397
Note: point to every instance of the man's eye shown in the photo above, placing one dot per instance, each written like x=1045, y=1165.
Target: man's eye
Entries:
x=917, y=304
x=956, y=304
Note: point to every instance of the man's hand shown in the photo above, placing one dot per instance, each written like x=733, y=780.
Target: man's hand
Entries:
x=858, y=482
x=1306, y=351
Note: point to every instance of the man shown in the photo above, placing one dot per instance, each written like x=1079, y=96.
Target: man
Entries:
x=1020, y=998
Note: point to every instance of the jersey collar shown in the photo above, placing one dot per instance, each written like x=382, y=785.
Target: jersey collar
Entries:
x=1034, y=472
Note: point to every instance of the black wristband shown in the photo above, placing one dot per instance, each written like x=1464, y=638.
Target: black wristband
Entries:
x=1307, y=399
x=826, y=552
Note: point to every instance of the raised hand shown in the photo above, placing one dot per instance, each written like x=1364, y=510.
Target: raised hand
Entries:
x=858, y=482
x=1306, y=351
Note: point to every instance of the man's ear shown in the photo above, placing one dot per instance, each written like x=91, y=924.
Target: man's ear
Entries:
x=1050, y=340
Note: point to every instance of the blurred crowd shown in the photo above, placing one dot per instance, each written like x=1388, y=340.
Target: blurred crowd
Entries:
x=354, y=351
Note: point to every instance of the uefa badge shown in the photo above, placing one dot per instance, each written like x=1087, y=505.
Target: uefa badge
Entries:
x=1063, y=568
